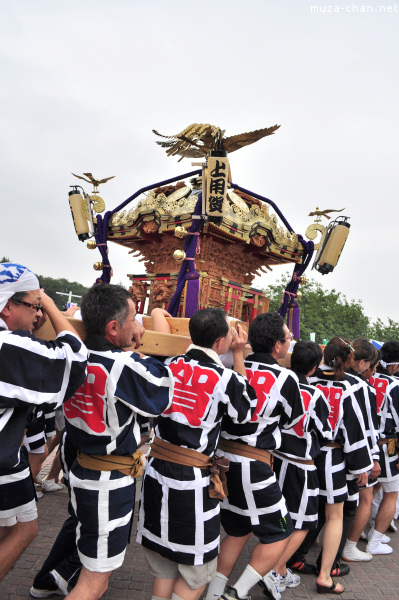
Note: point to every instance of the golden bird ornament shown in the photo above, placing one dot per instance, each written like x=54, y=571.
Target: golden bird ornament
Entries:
x=91, y=179
x=323, y=213
x=198, y=140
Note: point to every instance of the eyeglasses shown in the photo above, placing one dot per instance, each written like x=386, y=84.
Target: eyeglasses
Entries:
x=35, y=307
x=290, y=337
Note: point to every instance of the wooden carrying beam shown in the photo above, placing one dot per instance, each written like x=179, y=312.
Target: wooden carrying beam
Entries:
x=154, y=342
x=178, y=325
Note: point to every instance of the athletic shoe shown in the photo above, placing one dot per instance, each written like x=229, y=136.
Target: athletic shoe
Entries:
x=363, y=536
x=392, y=526
x=50, y=485
x=289, y=580
x=231, y=594
x=301, y=566
x=353, y=554
x=38, y=593
x=271, y=585
x=374, y=547
x=60, y=581
x=384, y=540
x=38, y=491
x=340, y=570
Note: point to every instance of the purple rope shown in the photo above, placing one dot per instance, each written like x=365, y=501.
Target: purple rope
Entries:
x=102, y=223
x=264, y=199
x=293, y=285
x=187, y=270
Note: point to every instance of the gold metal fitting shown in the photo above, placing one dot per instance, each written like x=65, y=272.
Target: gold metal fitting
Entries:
x=303, y=280
x=298, y=295
x=98, y=266
x=180, y=232
x=179, y=255
x=91, y=244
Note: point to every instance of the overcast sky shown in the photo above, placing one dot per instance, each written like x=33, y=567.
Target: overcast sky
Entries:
x=84, y=82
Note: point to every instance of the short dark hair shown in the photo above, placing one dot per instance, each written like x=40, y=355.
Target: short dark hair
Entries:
x=208, y=325
x=104, y=303
x=305, y=356
x=265, y=330
x=18, y=297
x=390, y=351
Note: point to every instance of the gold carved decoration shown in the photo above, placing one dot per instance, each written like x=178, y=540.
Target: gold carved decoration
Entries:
x=311, y=232
x=238, y=201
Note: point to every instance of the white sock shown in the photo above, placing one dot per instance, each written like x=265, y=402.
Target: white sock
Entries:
x=350, y=544
x=216, y=586
x=158, y=598
x=376, y=537
x=247, y=580
x=176, y=597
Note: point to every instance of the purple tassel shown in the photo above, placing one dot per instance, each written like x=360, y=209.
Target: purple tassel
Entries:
x=187, y=270
x=192, y=294
x=294, y=317
x=288, y=300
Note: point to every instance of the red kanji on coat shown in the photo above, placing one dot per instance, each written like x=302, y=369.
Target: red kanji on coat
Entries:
x=88, y=402
x=380, y=386
x=262, y=382
x=299, y=427
x=194, y=387
x=333, y=396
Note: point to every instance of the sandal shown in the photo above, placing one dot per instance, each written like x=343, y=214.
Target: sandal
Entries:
x=325, y=589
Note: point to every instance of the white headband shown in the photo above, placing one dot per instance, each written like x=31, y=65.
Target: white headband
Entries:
x=15, y=278
x=385, y=364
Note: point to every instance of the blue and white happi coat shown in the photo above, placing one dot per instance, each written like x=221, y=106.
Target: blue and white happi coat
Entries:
x=387, y=396
x=177, y=517
x=32, y=372
x=349, y=430
x=299, y=482
x=255, y=498
x=103, y=417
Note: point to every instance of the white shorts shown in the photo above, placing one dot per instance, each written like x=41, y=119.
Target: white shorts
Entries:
x=390, y=486
x=195, y=575
x=30, y=514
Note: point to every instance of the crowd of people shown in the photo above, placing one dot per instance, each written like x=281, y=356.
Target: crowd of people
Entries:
x=252, y=447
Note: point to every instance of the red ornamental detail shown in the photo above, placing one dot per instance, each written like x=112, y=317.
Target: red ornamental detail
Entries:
x=380, y=386
x=88, y=402
x=194, y=387
x=333, y=396
x=262, y=382
x=299, y=427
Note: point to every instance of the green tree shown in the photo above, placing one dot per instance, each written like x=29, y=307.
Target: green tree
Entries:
x=381, y=332
x=327, y=313
x=51, y=286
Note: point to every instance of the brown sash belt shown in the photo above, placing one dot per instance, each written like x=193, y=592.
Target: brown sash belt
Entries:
x=300, y=461
x=128, y=465
x=391, y=445
x=333, y=445
x=217, y=465
x=245, y=450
